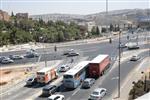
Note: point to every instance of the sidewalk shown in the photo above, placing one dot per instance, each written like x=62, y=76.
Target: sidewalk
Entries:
x=133, y=76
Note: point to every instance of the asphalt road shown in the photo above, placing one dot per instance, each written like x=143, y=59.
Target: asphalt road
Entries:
x=85, y=50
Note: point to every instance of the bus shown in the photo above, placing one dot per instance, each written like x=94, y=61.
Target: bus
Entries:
x=74, y=77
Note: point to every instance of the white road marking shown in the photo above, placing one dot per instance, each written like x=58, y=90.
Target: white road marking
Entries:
x=114, y=78
x=76, y=91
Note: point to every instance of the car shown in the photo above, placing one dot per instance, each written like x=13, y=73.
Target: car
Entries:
x=49, y=90
x=31, y=81
x=68, y=51
x=132, y=46
x=16, y=57
x=64, y=68
x=7, y=60
x=56, y=97
x=31, y=55
x=1, y=58
x=98, y=94
x=135, y=58
x=70, y=54
x=88, y=82
x=122, y=45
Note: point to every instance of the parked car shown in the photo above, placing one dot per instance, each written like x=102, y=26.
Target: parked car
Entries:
x=135, y=58
x=70, y=54
x=88, y=82
x=56, y=97
x=68, y=51
x=6, y=61
x=16, y=57
x=64, y=68
x=31, y=81
x=98, y=94
x=49, y=90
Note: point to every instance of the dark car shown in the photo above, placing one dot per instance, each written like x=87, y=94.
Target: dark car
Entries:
x=70, y=54
x=49, y=90
x=15, y=57
x=88, y=82
x=31, y=81
x=68, y=51
x=1, y=58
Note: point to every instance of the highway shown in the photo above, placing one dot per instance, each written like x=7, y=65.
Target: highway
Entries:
x=108, y=81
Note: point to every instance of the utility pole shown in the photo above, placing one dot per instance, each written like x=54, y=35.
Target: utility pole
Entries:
x=119, y=65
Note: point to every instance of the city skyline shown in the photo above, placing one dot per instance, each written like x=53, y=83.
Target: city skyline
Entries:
x=82, y=7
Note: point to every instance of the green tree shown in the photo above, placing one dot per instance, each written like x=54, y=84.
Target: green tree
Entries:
x=111, y=27
x=60, y=36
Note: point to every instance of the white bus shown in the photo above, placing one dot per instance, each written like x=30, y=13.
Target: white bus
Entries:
x=74, y=77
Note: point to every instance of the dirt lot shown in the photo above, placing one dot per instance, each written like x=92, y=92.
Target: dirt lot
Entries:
x=10, y=75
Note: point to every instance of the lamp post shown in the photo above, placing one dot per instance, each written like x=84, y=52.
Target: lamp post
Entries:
x=119, y=65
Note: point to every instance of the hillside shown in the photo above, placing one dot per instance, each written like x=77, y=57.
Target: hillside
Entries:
x=116, y=16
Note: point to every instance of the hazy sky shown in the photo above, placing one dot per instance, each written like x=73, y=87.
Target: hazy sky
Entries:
x=69, y=6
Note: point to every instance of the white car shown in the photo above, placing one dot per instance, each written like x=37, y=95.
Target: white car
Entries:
x=135, y=58
x=56, y=97
x=64, y=68
x=98, y=94
x=6, y=61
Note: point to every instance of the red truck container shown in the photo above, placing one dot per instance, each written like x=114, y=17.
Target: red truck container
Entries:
x=98, y=65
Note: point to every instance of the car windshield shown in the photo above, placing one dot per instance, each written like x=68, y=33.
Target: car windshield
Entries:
x=86, y=82
x=68, y=76
x=95, y=93
x=30, y=79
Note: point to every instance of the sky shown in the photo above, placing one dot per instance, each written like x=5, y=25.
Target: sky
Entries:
x=83, y=7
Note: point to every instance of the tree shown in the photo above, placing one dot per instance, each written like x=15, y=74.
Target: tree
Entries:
x=60, y=36
x=12, y=14
x=12, y=36
x=111, y=27
x=93, y=31
x=97, y=31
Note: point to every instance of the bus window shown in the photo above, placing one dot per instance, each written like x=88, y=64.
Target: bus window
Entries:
x=68, y=76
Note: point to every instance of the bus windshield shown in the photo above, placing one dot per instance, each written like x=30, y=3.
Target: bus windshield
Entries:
x=40, y=73
x=68, y=76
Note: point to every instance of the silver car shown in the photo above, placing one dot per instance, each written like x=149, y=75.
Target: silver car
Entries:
x=88, y=82
x=98, y=94
x=6, y=61
x=64, y=68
